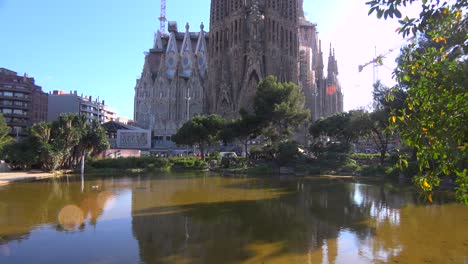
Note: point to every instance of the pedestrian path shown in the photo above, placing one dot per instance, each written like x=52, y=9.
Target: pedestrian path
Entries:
x=9, y=177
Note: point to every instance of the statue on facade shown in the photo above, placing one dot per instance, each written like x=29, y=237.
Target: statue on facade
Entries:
x=255, y=24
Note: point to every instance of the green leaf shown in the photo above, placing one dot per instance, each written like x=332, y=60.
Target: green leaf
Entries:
x=397, y=13
x=371, y=10
x=380, y=13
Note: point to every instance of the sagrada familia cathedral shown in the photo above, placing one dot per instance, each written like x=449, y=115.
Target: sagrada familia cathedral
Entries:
x=193, y=73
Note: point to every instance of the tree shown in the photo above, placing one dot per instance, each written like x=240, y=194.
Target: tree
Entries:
x=4, y=137
x=245, y=128
x=20, y=155
x=62, y=143
x=93, y=140
x=432, y=70
x=40, y=138
x=379, y=119
x=345, y=127
x=279, y=108
x=201, y=130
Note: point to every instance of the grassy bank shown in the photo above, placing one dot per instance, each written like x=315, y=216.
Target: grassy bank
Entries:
x=147, y=164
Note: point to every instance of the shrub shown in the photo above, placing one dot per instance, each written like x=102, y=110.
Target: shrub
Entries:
x=233, y=162
x=372, y=170
x=185, y=163
x=149, y=162
x=261, y=169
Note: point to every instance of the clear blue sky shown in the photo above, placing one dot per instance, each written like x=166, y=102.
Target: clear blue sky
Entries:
x=96, y=46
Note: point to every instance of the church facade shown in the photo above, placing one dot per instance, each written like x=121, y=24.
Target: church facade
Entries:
x=192, y=73
x=171, y=88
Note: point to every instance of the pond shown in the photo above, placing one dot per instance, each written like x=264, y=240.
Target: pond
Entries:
x=203, y=218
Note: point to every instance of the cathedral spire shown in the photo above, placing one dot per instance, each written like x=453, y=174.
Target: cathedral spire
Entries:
x=332, y=65
x=158, y=42
x=201, y=52
x=172, y=55
x=186, y=54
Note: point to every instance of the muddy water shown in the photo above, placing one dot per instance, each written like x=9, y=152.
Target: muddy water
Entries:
x=209, y=219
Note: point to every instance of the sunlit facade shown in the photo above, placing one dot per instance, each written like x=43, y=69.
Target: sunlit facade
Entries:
x=61, y=102
x=22, y=102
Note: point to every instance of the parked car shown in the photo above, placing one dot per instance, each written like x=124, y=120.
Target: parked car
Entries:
x=228, y=154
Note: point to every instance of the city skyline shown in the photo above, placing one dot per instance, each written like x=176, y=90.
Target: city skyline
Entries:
x=97, y=47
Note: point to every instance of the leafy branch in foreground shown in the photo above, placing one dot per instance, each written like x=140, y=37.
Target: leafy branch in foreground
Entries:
x=432, y=70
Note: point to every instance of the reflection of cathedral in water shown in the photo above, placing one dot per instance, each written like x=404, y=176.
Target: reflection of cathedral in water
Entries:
x=304, y=221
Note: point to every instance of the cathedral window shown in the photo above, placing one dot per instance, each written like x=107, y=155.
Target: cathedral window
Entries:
x=240, y=30
x=274, y=30
x=282, y=38
x=226, y=39
x=290, y=44
x=221, y=37
x=235, y=33
x=216, y=42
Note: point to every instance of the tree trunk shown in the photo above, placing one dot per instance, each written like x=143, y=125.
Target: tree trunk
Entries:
x=202, y=151
x=383, y=151
x=246, y=148
x=83, y=161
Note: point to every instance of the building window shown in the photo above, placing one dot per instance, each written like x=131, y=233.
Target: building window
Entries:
x=6, y=102
x=19, y=112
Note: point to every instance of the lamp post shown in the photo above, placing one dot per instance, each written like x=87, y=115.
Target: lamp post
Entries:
x=187, y=100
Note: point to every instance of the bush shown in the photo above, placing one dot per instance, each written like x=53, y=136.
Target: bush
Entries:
x=283, y=154
x=20, y=155
x=261, y=169
x=215, y=155
x=185, y=163
x=351, y=166
x=372, y=170
x=160, y=164
x=393, y=172
x=233, y=162
x=149, y=162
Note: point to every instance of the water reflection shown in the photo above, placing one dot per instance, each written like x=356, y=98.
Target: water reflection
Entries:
x=228, y=220
x=27, y=206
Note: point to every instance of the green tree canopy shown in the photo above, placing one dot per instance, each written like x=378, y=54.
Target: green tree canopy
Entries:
x=345, y=127
x=247, y=127
x=201, y=130
x=432, y=70
x=4, y=137
x=280, y=108
x=60, y=144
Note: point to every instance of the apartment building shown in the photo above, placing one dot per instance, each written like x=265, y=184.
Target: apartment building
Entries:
x=22, y=102
x=61, y=102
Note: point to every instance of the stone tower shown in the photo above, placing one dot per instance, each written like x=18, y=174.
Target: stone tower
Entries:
x=249, y=39
x=171, y=88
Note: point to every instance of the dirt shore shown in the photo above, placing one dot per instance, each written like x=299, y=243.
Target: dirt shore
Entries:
x=14, y=176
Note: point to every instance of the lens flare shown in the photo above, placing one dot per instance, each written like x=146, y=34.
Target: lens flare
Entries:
x=71, y=217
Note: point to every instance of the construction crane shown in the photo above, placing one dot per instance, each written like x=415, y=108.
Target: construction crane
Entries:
x=377, y=61
x=162, y=17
